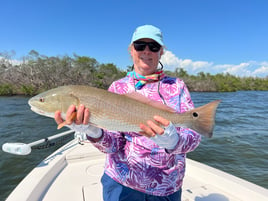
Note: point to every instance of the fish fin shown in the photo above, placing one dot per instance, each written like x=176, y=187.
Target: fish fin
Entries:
x=62, y=124
x=67, y=121
x=204, y=118
x=139, y=97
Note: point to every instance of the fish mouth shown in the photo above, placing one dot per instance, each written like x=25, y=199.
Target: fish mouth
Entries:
x=40, y=112
x=34, y=109
x=32, y=103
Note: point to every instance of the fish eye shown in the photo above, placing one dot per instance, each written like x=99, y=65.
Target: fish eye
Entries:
x=41, y=99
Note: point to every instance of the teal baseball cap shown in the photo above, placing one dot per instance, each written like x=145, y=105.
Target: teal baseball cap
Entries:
x=148, y=31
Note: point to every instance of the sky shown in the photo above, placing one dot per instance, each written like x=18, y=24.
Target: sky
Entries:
x=211, y=36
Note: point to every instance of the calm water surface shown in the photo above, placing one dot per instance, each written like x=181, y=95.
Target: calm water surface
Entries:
x=239, y=145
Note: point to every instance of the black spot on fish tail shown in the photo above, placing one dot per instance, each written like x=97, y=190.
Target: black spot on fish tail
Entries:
x=195, y=114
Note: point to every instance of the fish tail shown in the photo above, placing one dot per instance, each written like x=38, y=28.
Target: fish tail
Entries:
x=67, y=121
x=204, y=118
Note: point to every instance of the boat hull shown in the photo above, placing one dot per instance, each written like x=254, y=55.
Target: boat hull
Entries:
x=73, y=172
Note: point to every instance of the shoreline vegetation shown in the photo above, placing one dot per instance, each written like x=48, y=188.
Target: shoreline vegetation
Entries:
x=37, y=73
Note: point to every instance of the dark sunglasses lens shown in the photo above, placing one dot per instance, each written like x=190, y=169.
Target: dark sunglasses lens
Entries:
x=139, y=46
x=154, y=47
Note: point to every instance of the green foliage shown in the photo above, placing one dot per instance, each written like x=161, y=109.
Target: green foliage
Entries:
x=39, y=73
x=6, y=89
x=28, y=90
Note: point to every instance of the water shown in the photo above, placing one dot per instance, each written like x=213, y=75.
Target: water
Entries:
x=19, y=124
x=239, y=145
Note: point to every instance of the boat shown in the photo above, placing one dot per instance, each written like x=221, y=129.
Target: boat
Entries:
x=73, y=172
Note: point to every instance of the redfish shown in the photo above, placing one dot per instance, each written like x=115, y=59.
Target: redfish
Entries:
x=121, y=112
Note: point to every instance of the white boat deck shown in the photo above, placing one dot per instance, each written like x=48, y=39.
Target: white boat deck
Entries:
x=73, y=174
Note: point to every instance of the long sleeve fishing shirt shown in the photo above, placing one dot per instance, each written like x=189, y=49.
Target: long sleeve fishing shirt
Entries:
x=136, y=161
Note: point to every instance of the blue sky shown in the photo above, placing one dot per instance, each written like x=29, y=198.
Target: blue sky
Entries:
x=213, y=36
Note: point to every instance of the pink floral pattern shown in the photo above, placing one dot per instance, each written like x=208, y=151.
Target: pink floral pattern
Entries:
x=136, y=161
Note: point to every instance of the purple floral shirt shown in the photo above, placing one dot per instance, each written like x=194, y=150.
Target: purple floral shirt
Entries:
x=136, y=161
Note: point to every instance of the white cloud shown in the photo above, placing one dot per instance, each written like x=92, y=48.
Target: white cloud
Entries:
x=11, y=61
x=170, y=60
x=16, y=62
x=250, y=68
x=262, y=71
x=240, y=69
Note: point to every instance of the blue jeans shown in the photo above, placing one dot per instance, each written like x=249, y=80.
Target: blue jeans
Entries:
x=113, y=191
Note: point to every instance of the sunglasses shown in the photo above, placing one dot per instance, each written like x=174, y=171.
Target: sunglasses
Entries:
x=141, y=45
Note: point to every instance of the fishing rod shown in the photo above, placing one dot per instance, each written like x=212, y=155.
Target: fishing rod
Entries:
x=25, y=149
